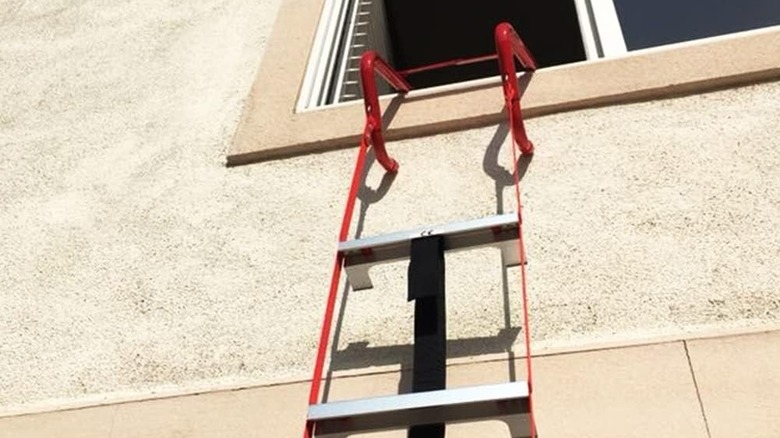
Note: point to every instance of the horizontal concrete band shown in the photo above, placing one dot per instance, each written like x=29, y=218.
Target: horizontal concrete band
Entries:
x=204, y=389
x=689, y=388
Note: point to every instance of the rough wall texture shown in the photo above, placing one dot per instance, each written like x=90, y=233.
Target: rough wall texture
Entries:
x=131, y=259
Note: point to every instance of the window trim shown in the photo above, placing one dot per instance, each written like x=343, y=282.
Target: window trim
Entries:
x=613, y=43
x=271, y=128
x=322, y=52
x=587, y=29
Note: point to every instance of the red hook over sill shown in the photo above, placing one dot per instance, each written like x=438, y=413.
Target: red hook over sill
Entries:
x=371, y=65
x=509, y=46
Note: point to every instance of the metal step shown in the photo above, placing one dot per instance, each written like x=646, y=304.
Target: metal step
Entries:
x=359, y=255
x=507, y=402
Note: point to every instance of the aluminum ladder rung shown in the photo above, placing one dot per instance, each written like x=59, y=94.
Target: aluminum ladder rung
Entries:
x=501, y=231
x=507, y=402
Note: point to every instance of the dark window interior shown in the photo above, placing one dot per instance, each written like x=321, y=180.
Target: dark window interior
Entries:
x=650, y=23
x=429, y=31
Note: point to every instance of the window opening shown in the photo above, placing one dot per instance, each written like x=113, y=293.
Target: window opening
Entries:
x=433, y=31
x=409, y=34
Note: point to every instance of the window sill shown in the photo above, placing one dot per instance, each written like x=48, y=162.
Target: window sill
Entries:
x=269, y=127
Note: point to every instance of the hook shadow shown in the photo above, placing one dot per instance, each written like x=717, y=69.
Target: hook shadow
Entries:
x=392, y=109
x=501, y=176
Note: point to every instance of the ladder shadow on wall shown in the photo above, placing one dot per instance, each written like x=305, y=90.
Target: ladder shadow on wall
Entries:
x=359, y=355
x=366, y=196
x=505, y=179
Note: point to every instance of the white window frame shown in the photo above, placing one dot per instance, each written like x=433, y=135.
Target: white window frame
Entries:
x=605, y=16
x=322, y=59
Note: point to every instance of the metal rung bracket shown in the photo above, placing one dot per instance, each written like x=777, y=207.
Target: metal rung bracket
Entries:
x=500, y=231
x=507, y=402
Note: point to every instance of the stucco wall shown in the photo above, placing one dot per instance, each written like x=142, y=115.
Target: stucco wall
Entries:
x=132, y=259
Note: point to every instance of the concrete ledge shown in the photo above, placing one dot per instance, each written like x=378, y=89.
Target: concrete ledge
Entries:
x=269, y=127
x=174, y=392
x=684, y=388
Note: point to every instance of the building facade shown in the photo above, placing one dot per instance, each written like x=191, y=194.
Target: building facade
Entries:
x=161, y=237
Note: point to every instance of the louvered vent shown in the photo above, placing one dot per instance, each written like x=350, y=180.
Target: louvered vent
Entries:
x=368, y=31
x=347, y=28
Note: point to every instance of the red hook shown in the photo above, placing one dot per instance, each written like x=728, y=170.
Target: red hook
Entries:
x=510, y=46
x=370, y=65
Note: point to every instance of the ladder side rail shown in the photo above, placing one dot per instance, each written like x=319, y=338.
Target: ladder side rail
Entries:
x=324, y=341
x=509, y=46
x=371, y=65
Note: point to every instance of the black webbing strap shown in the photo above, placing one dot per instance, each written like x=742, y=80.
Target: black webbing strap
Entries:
x=426, y=288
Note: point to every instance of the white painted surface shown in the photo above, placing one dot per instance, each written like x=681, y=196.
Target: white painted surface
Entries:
x=586, y=30
x=610, y=32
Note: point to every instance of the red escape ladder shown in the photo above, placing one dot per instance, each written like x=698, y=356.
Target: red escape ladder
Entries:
x=430, y=406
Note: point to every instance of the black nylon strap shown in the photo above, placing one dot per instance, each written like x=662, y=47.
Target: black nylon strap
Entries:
x=426, y=288
x=426, y=268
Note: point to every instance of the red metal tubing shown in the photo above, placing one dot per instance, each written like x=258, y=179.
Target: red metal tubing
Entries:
x=330, y=305
x=451, y=63
x=371, y=65
x=510, y=46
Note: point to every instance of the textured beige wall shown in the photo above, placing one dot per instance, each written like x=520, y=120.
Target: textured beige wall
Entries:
x=132, y=260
